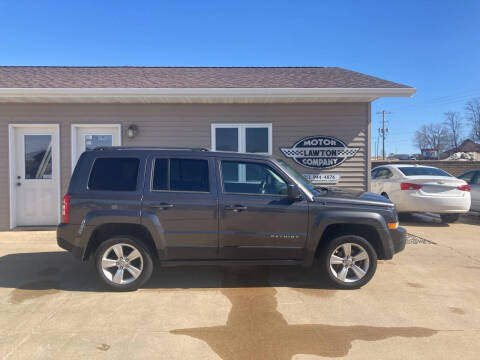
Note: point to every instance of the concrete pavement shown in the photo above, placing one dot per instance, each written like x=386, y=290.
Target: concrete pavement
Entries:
x=423, y=304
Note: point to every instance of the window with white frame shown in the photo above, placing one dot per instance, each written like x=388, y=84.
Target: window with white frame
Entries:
x=248, y=138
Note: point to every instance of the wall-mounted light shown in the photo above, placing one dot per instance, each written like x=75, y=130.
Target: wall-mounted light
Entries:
x=132, y=131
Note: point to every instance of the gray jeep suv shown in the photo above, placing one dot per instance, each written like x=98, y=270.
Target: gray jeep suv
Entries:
x=127, y=208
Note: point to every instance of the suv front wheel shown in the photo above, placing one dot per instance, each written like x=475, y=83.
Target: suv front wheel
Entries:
x=123, y=263
x=349, y=261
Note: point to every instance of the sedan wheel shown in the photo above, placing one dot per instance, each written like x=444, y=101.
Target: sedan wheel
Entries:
x=449, y=218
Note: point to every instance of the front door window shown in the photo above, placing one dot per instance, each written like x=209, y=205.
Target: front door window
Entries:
x=38, y=156
x=258, y=179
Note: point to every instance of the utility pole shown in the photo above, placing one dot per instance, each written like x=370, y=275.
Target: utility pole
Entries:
x=382, y=131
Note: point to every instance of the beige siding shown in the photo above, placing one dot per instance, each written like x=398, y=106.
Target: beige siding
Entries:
x=189, y=125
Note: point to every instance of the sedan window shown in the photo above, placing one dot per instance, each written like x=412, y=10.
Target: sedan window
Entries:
x=476, y=181
x=383, y=174
x=422, y=171
x=468, y=177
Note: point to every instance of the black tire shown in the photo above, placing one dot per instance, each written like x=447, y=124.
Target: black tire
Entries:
x=145, y=260
x=449, y=218
x=329, y=249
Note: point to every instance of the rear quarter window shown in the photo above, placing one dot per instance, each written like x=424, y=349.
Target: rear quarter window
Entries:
x=114, y=174
x=423, y=171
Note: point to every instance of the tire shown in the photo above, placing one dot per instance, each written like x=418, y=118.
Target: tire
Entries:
x=385, y=195
x=129, y=274
x=449, y=218
x=335, y=271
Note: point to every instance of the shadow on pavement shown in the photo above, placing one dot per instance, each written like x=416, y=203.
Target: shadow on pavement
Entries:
x=426, y=220
x=255, y=328
x=50, y=271
x=433, y=220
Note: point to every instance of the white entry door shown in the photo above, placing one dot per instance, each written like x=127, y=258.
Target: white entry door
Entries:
x=35, y=175
x=88, y=137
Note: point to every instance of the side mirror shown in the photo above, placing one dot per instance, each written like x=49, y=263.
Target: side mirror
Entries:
x=294, y=193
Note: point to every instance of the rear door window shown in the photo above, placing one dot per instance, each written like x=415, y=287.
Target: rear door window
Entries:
x=114, y=174
x=189, y=175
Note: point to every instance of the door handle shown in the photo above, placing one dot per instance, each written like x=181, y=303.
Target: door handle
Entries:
x=236, y=208
x=163, y=206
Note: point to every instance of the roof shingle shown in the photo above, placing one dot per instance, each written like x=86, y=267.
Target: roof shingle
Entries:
x=187, y=77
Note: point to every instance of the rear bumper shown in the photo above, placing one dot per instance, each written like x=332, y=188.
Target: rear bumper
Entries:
x=67, y=239
x=440, y=205
x=399, y=239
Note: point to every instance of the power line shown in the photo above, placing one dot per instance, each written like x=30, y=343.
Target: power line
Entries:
x=442, y=100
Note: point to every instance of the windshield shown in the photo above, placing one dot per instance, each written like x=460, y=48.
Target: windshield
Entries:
x=298, y=177
x=422, y=171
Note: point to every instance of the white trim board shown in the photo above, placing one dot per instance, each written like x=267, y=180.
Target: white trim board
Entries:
x=73, y=137
x=11, y=166
x=199, y=95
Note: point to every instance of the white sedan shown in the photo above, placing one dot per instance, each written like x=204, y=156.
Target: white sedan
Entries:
x=415, y=188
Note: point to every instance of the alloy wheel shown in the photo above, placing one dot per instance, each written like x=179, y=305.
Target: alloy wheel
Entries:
x=349, y=262
x=122, y=263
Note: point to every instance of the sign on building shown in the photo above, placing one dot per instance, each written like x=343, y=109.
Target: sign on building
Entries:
x=326, y=178
x=319, y=152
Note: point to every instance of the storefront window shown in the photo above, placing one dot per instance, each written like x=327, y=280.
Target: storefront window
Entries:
x=256, y=140
x=226, y=139
x=245, y=138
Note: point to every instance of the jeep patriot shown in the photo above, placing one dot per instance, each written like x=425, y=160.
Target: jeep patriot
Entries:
x=130, y=207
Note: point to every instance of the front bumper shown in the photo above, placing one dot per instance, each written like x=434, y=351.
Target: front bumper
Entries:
x=399, y=238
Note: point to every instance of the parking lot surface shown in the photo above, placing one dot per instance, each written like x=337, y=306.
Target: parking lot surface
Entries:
x=423, y=304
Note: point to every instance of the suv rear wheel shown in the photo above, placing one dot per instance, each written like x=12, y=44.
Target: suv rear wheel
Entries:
x=123, y=263
x=349, y=261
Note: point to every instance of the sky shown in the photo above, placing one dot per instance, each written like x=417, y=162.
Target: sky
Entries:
x=433, y=46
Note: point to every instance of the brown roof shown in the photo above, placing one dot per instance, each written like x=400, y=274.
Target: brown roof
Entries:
x=466, y=146
x=187, y=77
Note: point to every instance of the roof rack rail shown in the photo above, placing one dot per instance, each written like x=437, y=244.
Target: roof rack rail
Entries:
x=149, y=148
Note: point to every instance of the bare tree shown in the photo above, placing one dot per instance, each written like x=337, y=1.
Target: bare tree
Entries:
x=431, y=136
x=473, y=115
x=453, y=125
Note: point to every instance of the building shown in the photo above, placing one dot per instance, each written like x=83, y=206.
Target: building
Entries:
x=467, y=150
x=429, y=154
x=315, y=118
